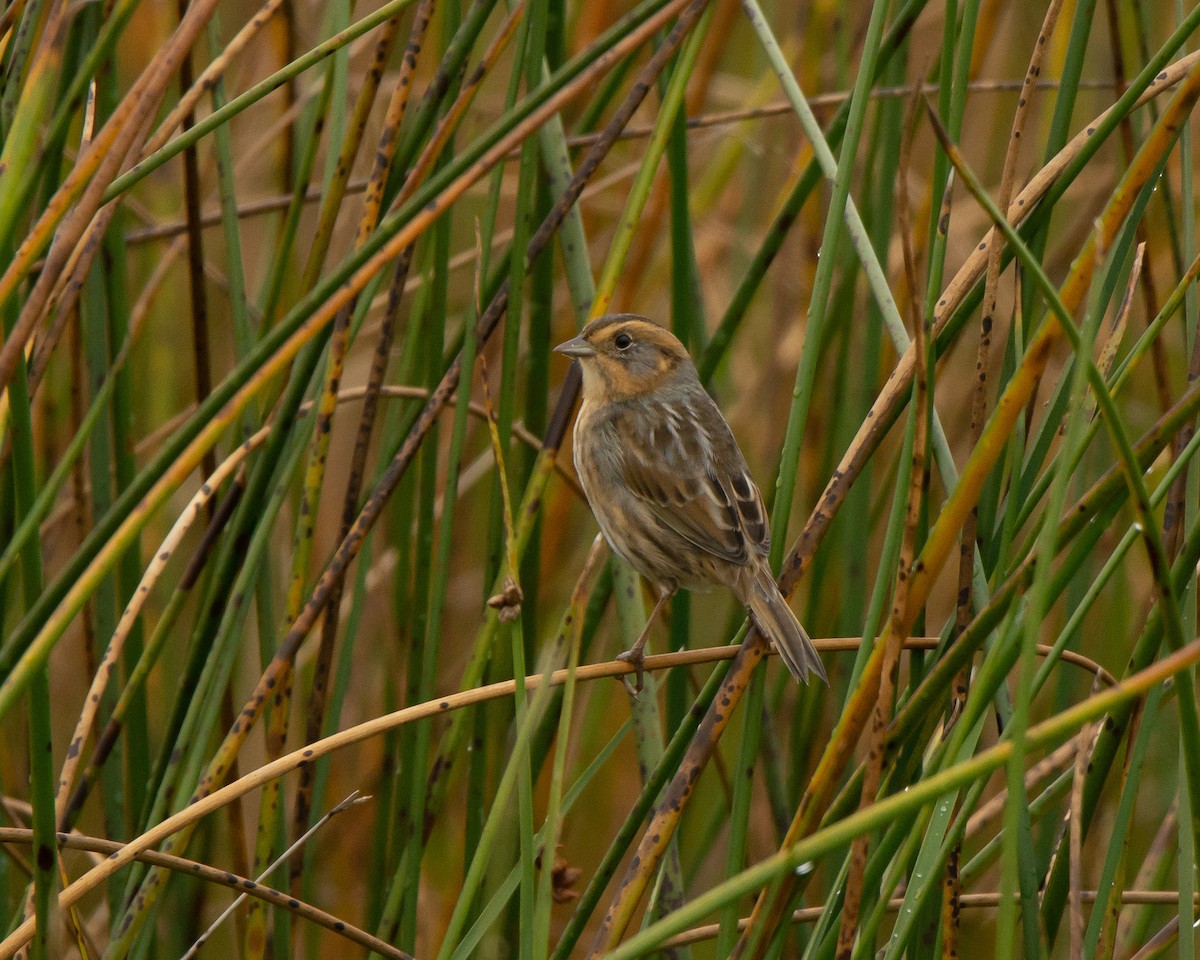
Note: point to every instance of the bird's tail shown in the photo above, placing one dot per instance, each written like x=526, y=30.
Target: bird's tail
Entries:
x=774, y=618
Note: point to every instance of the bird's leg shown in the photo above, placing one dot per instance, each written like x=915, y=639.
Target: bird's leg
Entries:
x=634, y=654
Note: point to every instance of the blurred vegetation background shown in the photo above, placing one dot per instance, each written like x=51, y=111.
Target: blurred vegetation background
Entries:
x=284, y=461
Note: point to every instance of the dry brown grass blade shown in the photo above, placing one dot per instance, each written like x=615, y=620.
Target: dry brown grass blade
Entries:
x=209, y=76
x=987, y=814
x=1083, y=744
x=116, y=645
x=1110, y=342
x=458, y=108
x=334, y=193
x=66, y=219
x=219, y=877
x=1157, y=945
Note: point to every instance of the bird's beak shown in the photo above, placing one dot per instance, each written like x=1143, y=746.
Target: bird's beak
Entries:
x=576, y=347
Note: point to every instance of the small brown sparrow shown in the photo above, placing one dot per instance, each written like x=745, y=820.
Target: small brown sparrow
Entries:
x=667, y=482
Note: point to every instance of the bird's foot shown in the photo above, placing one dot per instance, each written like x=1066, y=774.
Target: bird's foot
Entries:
x=636, y=658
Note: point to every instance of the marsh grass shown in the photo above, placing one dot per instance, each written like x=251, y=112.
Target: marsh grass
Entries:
x=286, y=501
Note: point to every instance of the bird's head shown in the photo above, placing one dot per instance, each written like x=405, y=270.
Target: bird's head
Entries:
x=624, y=355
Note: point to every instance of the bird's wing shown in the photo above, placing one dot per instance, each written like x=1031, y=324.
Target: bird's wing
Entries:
x=689, y=471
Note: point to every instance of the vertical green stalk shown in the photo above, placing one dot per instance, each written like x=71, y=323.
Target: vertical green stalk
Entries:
x=555, y=807
x=240, y=324
x=687, y=322
x=1017, y=857
x=958, y=43
x=431, y=570
x=136, y=734
x=1191, y=316
x=497, y=817
x=419, y=759
x=1109, y=887
x=867, y=347
x=739, y=812
x=41, y=744
x=536, y=375
x=528, y=892
x=1188, y=799
x=94, y=327
x=423, y=653
x=785, y=483
x=394, y=820
x=527, y=65
x=105, y=313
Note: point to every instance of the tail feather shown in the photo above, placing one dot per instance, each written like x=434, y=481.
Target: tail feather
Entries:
x=774, y=618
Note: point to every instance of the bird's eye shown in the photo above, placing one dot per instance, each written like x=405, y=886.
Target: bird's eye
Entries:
x=623, y=341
